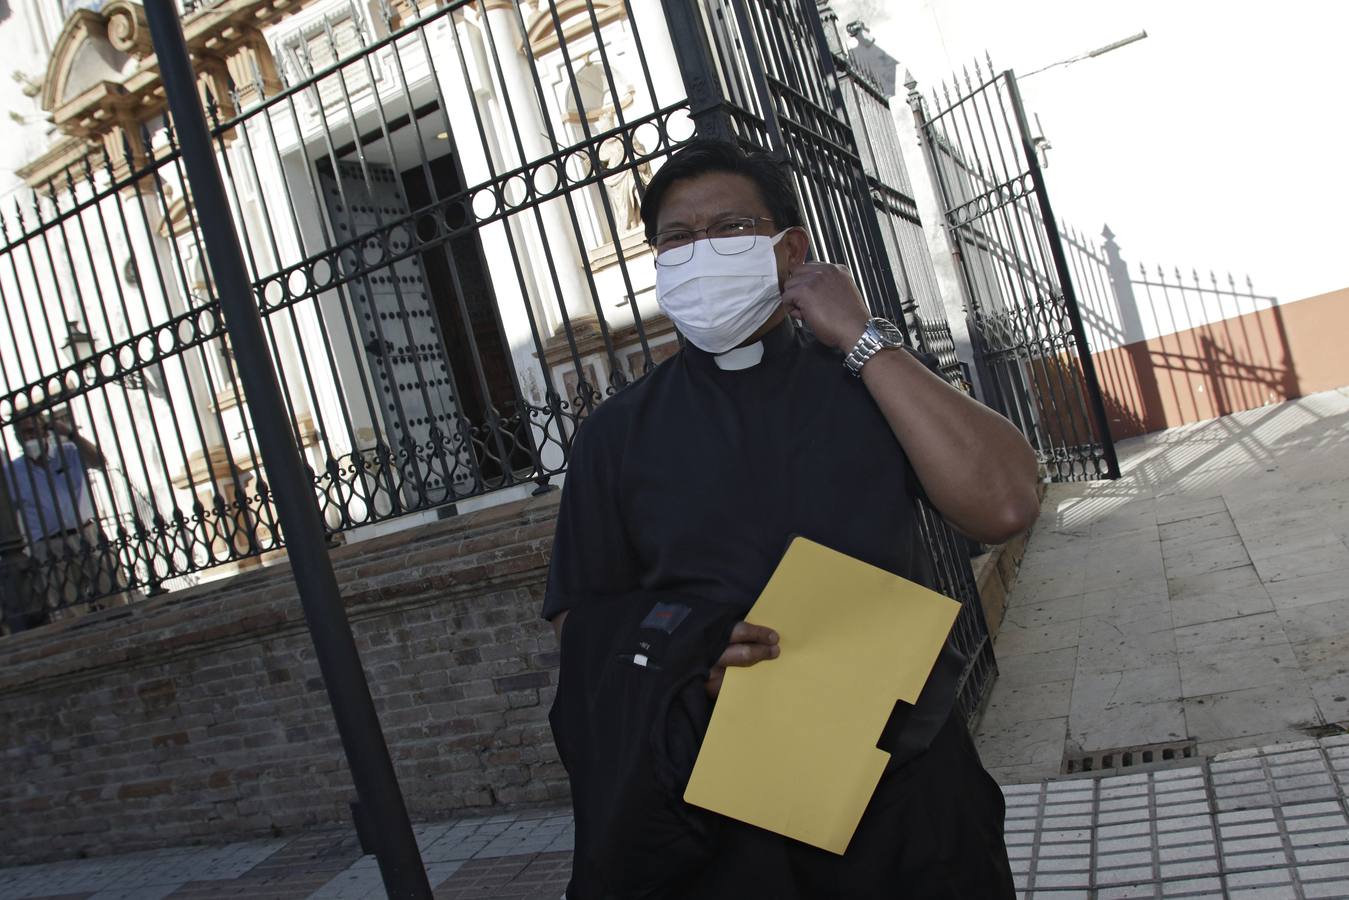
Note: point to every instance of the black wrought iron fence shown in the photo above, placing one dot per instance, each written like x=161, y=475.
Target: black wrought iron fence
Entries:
x=438, y=210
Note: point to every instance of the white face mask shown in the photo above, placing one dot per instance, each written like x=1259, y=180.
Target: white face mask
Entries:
x=718, y=301
x=33, y=448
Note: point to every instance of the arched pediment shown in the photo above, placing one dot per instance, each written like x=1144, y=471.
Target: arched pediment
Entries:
x=83, y=58
x=574, y=16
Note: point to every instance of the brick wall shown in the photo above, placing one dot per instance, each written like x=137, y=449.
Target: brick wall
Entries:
x=200, y=715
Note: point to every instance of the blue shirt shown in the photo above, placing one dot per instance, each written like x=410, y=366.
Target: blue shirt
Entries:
x=51, y=498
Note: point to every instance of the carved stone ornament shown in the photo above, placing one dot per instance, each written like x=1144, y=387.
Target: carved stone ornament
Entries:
x=128, y=30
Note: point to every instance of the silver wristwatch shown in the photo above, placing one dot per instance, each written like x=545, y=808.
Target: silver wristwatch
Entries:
x=880, y=334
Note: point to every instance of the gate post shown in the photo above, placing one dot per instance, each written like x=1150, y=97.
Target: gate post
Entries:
x=813, y=12
x=1065, y=276
x=372, y=772
x=707, y=105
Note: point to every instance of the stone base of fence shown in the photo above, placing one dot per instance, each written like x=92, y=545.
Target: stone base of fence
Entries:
x=201, y=716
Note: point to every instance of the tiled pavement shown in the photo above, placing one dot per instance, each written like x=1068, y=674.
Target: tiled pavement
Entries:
x=1270, y=823
x=1266, y=823
x=1203, y=596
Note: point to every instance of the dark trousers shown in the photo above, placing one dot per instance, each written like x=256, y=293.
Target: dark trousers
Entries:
x=934, y=829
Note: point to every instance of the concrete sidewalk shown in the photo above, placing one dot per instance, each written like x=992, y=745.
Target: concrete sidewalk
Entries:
x=1203, y=597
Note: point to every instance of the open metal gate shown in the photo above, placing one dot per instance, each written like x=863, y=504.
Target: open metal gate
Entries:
x=1031, y=350
x=777, y=76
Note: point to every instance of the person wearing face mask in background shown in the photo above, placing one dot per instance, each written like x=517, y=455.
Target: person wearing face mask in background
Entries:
x=789, y=411
x=49, y=487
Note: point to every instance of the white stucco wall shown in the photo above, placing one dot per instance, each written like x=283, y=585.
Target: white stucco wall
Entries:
x=27, y=34
x=1212, y=144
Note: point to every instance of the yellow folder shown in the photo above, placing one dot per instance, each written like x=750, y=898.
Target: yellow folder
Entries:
x=792, y=742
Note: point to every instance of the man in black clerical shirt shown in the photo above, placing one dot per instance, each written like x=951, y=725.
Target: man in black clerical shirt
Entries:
x=691, y=482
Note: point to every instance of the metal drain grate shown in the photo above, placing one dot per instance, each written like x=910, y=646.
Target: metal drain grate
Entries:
x=1117, y=758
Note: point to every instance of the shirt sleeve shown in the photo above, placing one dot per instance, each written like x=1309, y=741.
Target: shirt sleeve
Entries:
x=592, y=553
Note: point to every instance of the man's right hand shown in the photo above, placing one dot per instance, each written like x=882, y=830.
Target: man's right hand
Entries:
x=749, y=644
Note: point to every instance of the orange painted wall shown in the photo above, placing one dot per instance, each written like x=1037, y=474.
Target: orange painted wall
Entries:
x=1252, y=360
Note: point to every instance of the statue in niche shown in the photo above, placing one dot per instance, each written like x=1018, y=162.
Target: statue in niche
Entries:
x=624, y=194
x=601, y=113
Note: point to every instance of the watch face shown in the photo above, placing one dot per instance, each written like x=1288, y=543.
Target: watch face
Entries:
x=888, y=332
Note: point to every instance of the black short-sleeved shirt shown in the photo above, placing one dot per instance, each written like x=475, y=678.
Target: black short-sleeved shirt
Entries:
x=695, y=478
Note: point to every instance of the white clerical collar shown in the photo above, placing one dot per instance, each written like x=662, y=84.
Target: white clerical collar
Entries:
x=738, y=358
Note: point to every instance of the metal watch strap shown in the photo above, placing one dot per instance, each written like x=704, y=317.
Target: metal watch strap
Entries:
x=866, y=347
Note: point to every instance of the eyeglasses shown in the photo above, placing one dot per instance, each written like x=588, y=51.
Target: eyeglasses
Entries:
x=738, y=235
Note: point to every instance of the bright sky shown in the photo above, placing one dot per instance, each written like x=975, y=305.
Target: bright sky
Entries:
x=1221, y=141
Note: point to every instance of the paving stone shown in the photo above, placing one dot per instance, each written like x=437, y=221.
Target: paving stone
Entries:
x=1063, y=864
x=1120, y=892
x=1239, y=832
x=1124, y=804
x=1188, y=868
x=1080, y=834
x=1259, y=859
x=1325, y=871
x=1062, y=880
x=1106, y=645
x=1338, y=889
x=1123, y=860
x=1337, y=851
x=1207, y=850
x=1248, y=712
x=1125, y=831
x=1068, y=809
x=1184, y=824
x=1124, y=875
x=1205, y=888
x=1259, y=878
x=1069, y=848
x=1033, y=742
x=1261, y=893
x=1303, y=795
x=1308, y=589
x=1216, y=670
